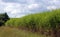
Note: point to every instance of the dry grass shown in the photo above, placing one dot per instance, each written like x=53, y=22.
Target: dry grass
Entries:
x=14, y=32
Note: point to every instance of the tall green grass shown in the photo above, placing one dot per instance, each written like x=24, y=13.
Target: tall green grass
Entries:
x=37, y=22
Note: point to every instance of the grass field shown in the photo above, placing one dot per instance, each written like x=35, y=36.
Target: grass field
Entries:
x=46, y=23
x=14, y=32
x=45, y=20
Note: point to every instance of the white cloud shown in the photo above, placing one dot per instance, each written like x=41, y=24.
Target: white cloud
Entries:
x=18, y=10
x=54, y=2
x=30, y=1
x=11, y=6
x=0, y=1
x=12, y=9
x=16, y=16
x=15, y=12
x=51, y=7
x=33, y=6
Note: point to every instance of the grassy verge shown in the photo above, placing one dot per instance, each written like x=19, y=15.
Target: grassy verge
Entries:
x=14, y=32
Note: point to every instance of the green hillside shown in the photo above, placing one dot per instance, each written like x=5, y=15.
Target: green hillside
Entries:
x=40, y=22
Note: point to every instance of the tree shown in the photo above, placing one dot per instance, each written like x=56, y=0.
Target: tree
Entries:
x=3, y=18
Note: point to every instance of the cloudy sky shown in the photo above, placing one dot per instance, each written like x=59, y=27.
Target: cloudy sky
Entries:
x=19, y=8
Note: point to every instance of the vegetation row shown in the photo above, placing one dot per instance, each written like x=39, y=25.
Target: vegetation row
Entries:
x=42, y=22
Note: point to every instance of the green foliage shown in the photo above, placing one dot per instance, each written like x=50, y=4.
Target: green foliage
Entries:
x=45, y=20
x=3, y=18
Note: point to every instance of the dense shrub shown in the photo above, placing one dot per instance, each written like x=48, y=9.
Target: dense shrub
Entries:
x=3, y=18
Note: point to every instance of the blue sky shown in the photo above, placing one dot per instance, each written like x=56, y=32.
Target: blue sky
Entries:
x=19, y=8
